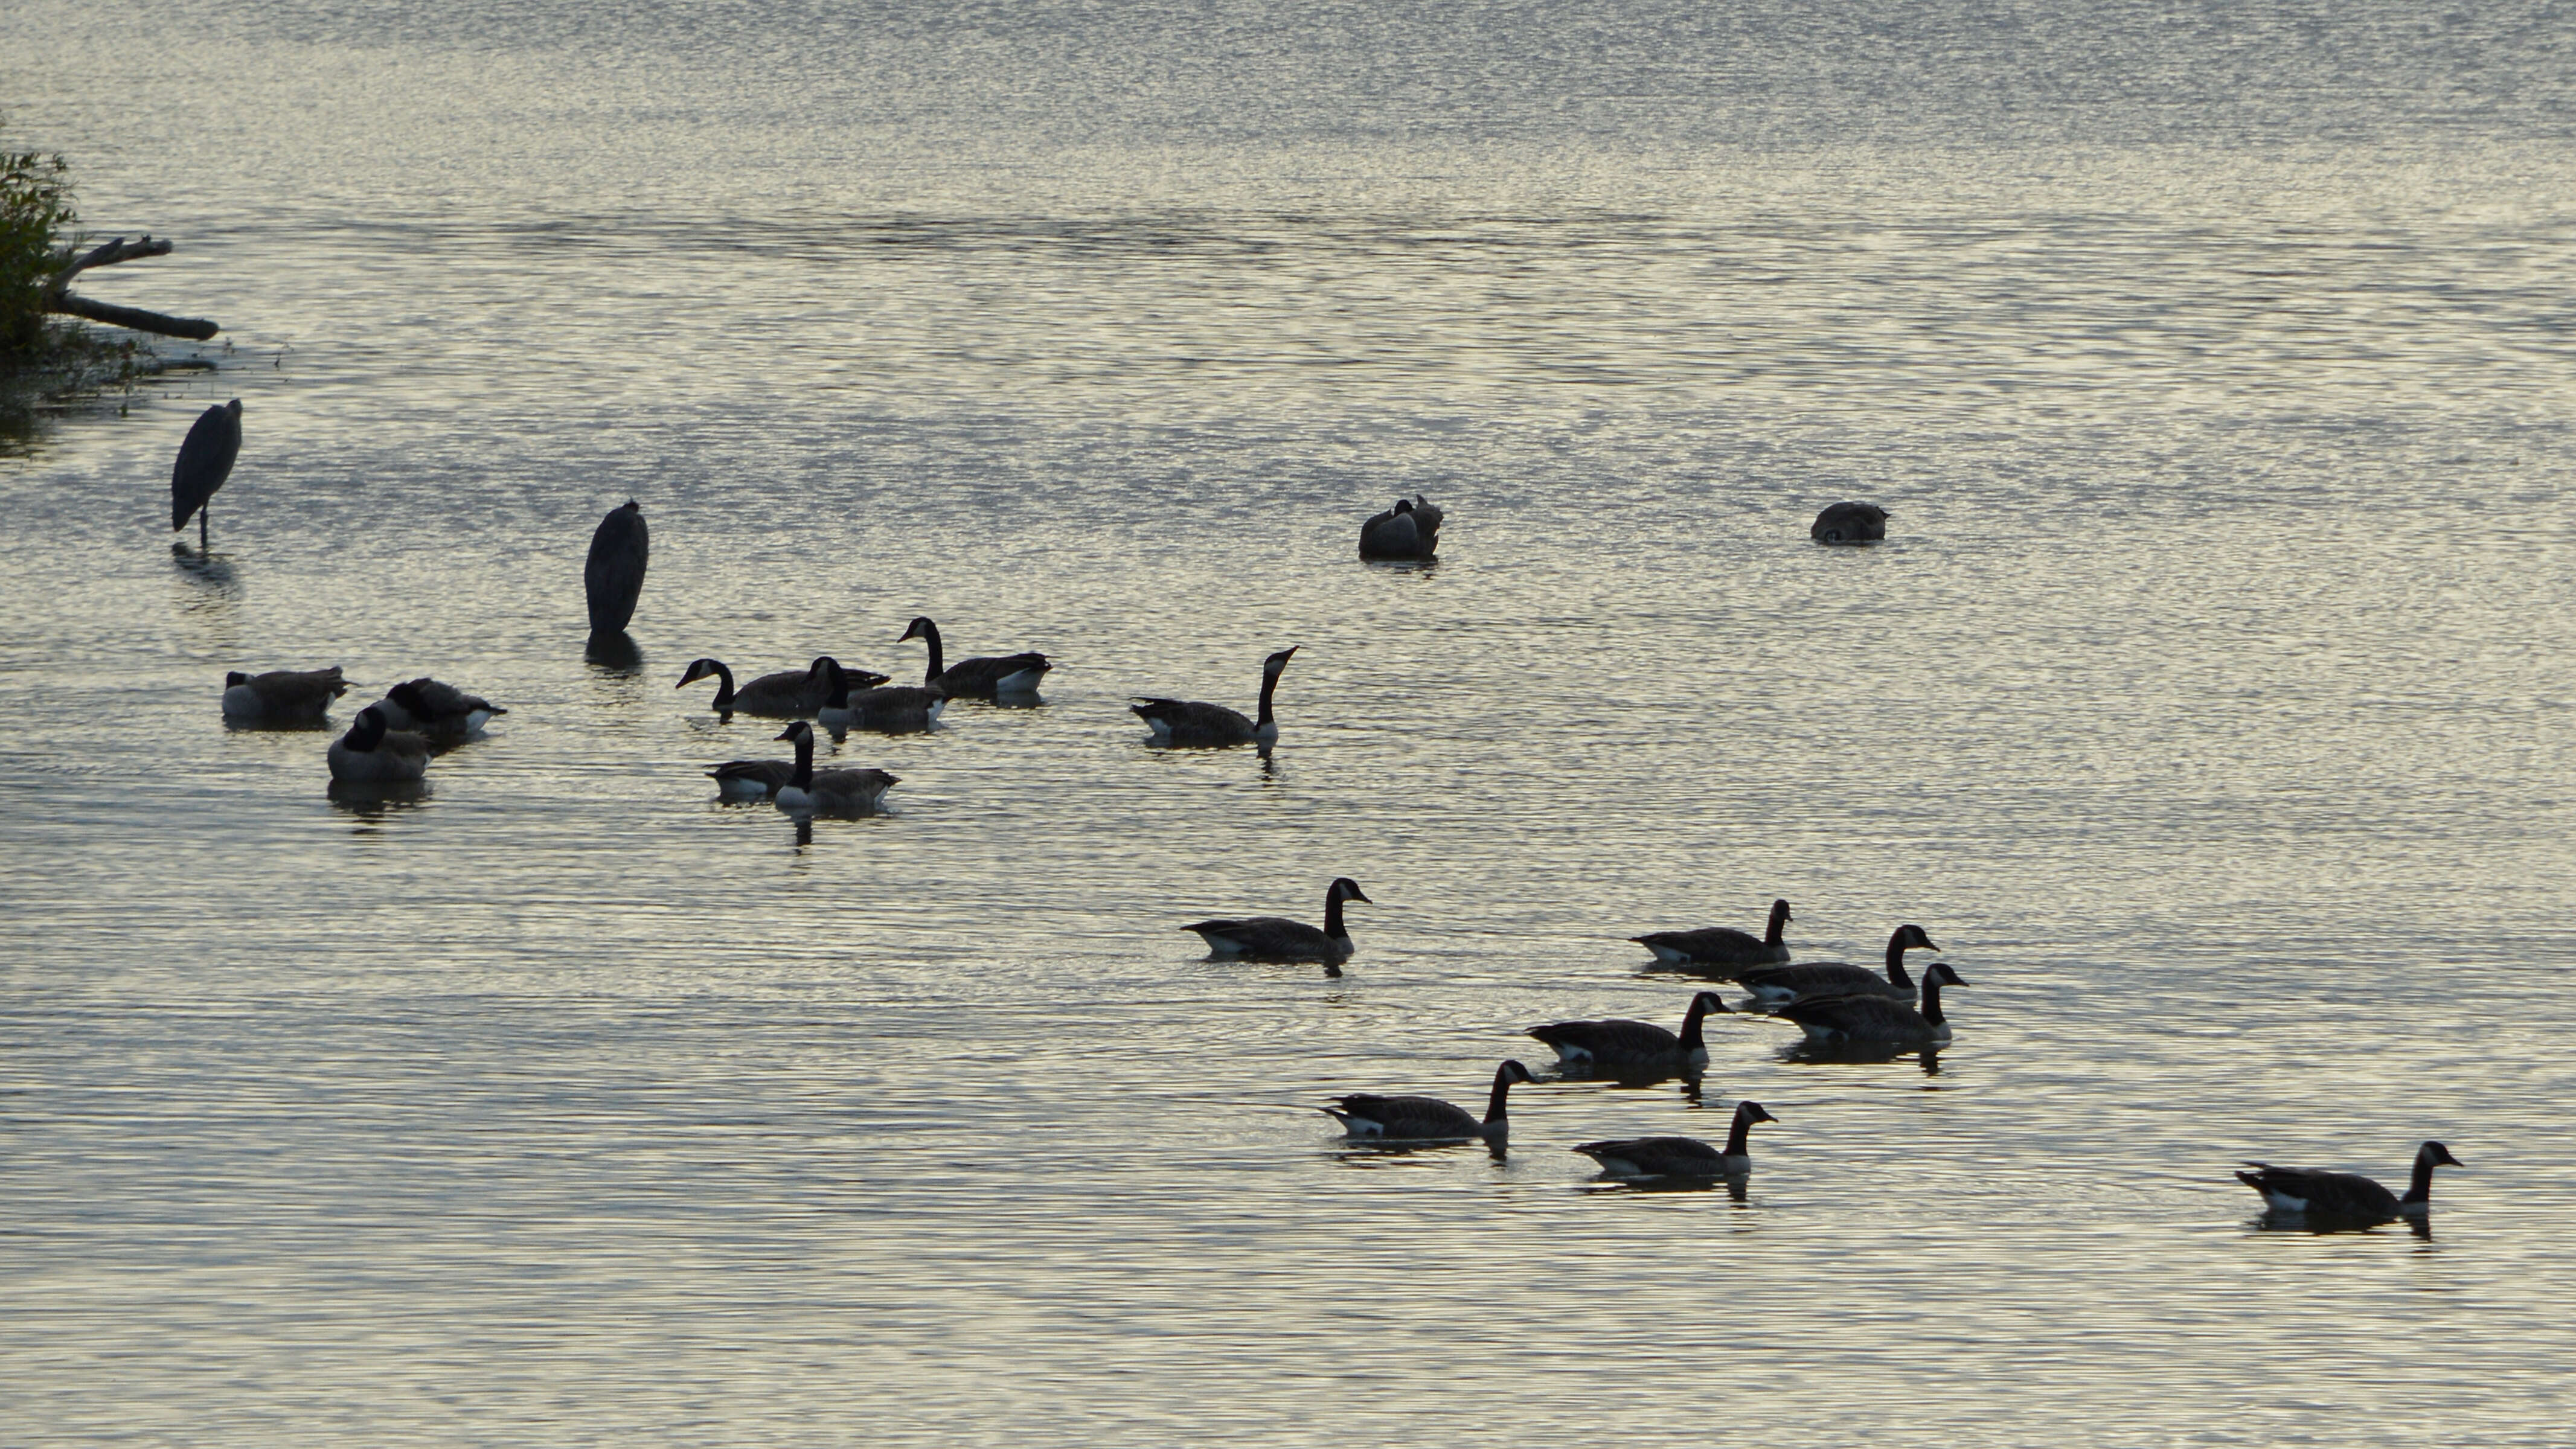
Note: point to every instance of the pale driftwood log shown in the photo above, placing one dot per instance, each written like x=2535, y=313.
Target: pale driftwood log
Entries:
x=59, y=298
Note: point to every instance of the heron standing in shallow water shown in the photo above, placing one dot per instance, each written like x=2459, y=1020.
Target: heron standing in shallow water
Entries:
x=614, y=576
x=205, y=461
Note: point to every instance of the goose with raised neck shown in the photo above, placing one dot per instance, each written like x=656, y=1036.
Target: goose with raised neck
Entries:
x=1682, y=1156
x=809, y=789
x=1429, y=1118
x=1619, y=1042
x=1842, y=978
x=1197, y=723
x=979, y=678
x=1281, y=938
x=1723, y=950
x=2346, y=1197
x=1829, y=1019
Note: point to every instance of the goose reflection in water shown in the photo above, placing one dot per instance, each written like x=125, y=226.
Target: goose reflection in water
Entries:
x=378, y=803
x=1860, y=1054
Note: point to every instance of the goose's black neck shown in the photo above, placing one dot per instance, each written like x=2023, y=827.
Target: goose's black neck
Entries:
x=2419, y=1191
x=1495, y=1113
x=1932, y=999
x=804, y=762
x=838, y=681
x=1896, y=962
x=1269, y=687
x=1772, y=934
x=938, y=661
x=1691, y=1039
x=724, y=687
x=1738, y=1135
x=1333, y=916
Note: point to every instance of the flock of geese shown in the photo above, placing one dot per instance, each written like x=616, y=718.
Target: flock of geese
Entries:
x=1838, y=1005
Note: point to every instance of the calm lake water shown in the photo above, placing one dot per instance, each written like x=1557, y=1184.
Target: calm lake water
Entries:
x=2210, y=703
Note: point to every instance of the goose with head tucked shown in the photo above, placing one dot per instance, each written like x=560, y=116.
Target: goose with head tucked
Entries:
x=1409, y=530
x=281, y=698
x=1722, y=950
x=1867, y=1019
x=1841, y=978
x=1280, y=938
x=1429, y=1118
x=373, y=754
x=809, y=789
x=787, y=694
x=1681, y=1156
x=439, y=712
x=887, y=709
x=2346, y=1198
x=1190, y=722
x=1622, y=1043
x=1849, y=523
x=980, y=678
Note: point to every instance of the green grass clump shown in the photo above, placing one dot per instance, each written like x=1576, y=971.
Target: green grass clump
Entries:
x=35, y=213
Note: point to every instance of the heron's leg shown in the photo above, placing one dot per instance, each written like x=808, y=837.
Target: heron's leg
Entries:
x=202, y=510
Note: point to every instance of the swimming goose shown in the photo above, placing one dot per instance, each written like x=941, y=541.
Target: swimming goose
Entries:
x=1278, y=936
x=788, y=694
x=1841, y=978
x=895, y=709
x=1189, y=722
x=1849, y=523
x=1622, y=1043
x=612, y=578
x=1876, y=1018
x=1363, y=1115
x=438, y=711
x=371, y=754
x=1411, y=529
x=205, y=460
x=976, y=678
x=1722, y=946
x=281, y=696
x=830, y=789
x=2346, y=1197
x=1681, y=1156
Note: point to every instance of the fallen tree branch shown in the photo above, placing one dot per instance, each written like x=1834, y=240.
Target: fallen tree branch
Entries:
x=59, y=298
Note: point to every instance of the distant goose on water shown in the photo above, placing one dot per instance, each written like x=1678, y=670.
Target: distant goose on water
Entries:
x=1830, y=1019
x=2346, y=1197
x=1681, y=1156
x=1411, y=529
x=976, y=678
x=1849, y=523
x=205, y=461
x=808, y=789
x=371, y=754
x=890, y=709
x=1622, y=1043
x=1722, y=946
x=281, y=696
x=442, y=712
x=1281, y=938
x=1189, y=722
x=1840, y=978
x=788, y=694
x=1429, y=1118
x=613, y=577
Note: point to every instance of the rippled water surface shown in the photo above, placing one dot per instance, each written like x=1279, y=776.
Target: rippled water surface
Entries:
x=2209, y=703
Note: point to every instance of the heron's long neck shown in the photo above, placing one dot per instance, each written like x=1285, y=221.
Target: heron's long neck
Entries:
x=724, y=689
x=1896, y=962
x=938, y=661
x=1495, y=1112
x=2420, y=1191
x=1737, y=1135
x=1691, y=1039
x=804, y=763
x=1269, y=687
x=1333, y=915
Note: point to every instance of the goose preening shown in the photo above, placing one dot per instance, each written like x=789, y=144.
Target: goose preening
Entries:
x=1722, y=946
x=1829, y=1019
x=1681, y=1156
x=1411, y=529
x=1622, y=1043
x=889, y=709
x=1281, y=938
x=1363, y=1115
x=2346, y=1197
x=286, y=697
x=1841, y=978
x=373, y=754
x=1190, y=722
x=441, y=712
x=1849, y=523
x=613, y=576
x=980, y=678
x=788, y=694
x=205, y=461
x=806, y=789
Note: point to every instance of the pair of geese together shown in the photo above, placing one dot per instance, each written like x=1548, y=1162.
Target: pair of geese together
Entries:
x=389, y=743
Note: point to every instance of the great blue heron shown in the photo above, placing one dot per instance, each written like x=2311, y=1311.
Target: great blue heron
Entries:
x=614, y=576
x=205, y=461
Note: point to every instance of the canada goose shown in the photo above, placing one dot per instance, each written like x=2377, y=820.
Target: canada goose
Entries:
x=1841, y=978
x=1722, y=946
x=1876, y=1018
x=1681, y=1156
x=2346, y=1197
x=205, y=461
x=1849, y=523
x=1278, y=936
x=370, y=754
x=895, y=709
x=1411, y=529
x=1363, y=1115
x=829, y=790
x=1189, y=722
x=788, y=694
x=438, y=711
x=281, y=696
x=976, y=678
x=1622, y=1043
x=613, y=576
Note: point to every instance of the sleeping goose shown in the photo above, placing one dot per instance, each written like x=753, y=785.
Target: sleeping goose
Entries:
x=840, y=790
x=440, y=712
x=1280, y=937
x=788, y=694
x=1189, y=722
x=2346, y=1197
x=1849, y=523
x=1681, y=1156
x=281, y=696
x=1841, y=978
x=1723, y=947
x=1622, y=1043
x=1363, y=1115
x=894, y=709
x=1411, y=529
x=1876, y=1018
x=976, y=678
x=371, y=754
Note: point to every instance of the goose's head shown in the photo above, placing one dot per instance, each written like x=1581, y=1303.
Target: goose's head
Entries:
x=1510, y=1072
x=799, y=731
x=2437, y=1154
x=699, y=669
x=1753, y=1112
x=822, y=667
x=1942, y=973
x=1272, y=666
x=1346, y=889
x=1780, y=913
x=407, y=694
x=1707, y=1001
x=366, y=731
x=234, y=677
x=919, y=628
x=1404, y=505
x=1913, y=938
